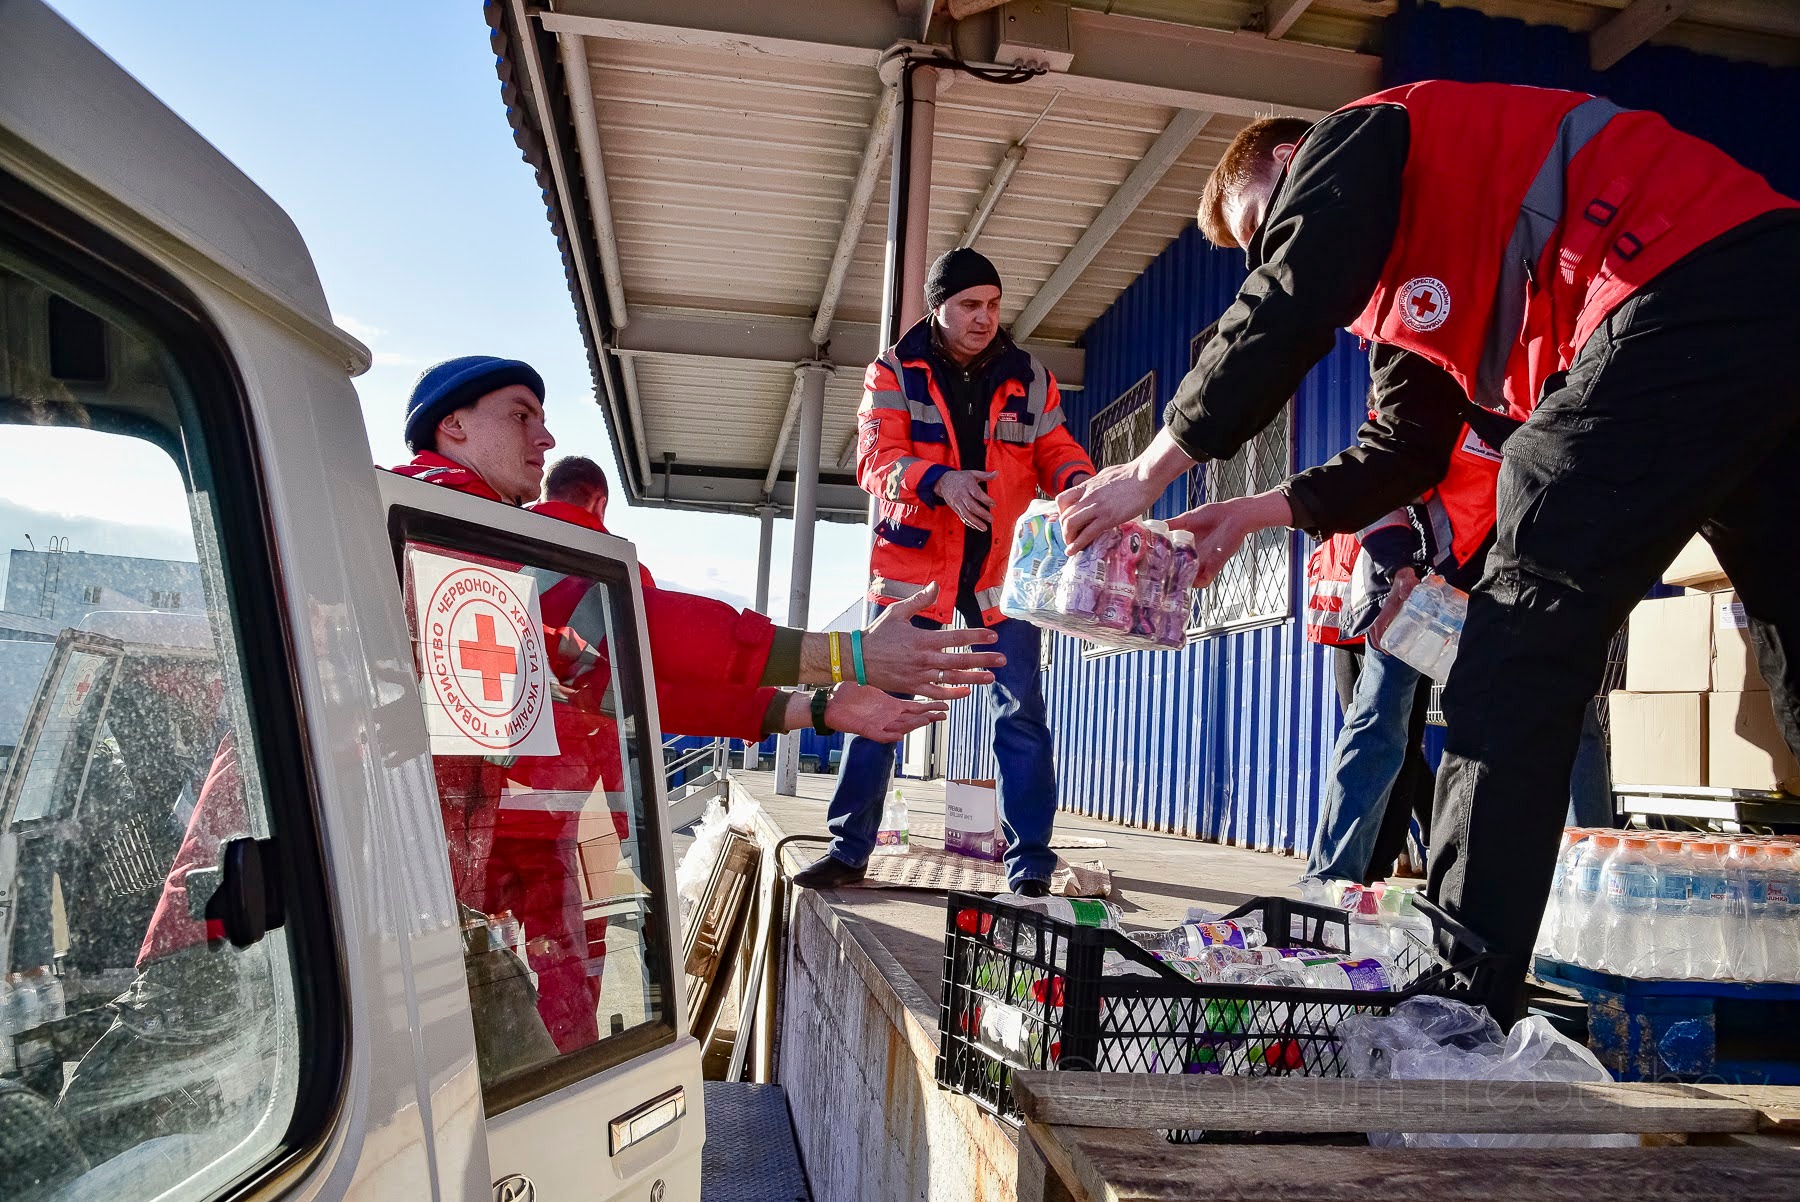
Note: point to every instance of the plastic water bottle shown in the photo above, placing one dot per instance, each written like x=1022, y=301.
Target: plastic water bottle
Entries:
x=1630, y=885
x=894, y=836
x=1425, y=632
x=1559, y=884
x=1784, y=913
x=1367, y=974
x=1671, y=914
x=1749, y=872
x=1078, y=911
x=1587, y=906
x=1707, y=900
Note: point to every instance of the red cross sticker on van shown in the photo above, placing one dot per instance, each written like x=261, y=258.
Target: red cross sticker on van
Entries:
x=489, y=657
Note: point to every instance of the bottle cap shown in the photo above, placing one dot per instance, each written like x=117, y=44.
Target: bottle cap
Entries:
x=1669, y=846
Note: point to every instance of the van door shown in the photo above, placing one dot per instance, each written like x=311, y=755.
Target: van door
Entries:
x=528, y=639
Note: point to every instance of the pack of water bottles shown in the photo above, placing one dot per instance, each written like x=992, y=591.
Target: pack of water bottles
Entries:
x=1053, y=983
x=1425, y=633
x=1129, y=588
x=1656, y=905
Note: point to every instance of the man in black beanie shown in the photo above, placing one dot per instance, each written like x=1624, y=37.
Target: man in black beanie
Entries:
x=959, y=430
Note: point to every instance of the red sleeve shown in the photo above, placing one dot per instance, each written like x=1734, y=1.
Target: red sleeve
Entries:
x=687, y=708
x=700, y=639
x=708, y=659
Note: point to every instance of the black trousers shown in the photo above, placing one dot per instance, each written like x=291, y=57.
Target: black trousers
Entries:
x=1411, y=796
x=1681, y=413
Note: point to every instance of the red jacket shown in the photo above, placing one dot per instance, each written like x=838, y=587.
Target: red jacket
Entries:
x=1527, y=215
x=906, y=441
x=707, y=658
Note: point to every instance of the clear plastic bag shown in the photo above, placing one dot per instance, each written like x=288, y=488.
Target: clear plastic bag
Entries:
x=1438, y=1039
x=1130, y=588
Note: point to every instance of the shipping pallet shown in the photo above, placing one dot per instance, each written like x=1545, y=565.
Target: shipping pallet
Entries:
x=1687, y=1030
x=1093, y=1137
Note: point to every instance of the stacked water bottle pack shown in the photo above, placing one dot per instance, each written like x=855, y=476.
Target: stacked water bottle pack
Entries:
x=1129, y=588
x=1675, y=906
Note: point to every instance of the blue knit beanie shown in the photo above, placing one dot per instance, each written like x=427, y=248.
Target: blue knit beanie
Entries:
x=454, y=384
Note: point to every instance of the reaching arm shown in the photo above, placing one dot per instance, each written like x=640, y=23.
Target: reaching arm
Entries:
x=1315, y=262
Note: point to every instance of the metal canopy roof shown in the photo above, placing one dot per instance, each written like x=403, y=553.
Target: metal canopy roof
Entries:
x=718, y=175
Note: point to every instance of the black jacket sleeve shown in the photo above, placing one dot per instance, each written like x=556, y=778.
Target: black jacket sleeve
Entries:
x=1400, y=452
x=1314, y=263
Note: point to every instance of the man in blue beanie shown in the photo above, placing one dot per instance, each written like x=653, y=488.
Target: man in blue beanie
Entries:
x=467, y=414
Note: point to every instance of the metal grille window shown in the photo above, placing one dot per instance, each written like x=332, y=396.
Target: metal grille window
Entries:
x=1254, y=586
x=1120, y=432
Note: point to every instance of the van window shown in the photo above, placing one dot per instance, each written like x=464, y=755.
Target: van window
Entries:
x=142, y=1052
x=528, y=670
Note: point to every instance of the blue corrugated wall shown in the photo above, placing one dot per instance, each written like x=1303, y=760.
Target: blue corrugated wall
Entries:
x=1228, y=738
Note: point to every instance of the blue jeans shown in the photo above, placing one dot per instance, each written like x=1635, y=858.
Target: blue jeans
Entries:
x=1366, y=760
x=1021, y=746
x=1364, y=764
x=1590, y=785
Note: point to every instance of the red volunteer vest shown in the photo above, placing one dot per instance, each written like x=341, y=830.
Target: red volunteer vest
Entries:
x=1526, y=216
x=1462, y=505
x=1328, y=590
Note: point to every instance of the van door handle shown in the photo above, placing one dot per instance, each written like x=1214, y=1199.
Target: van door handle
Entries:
x=646, y=1120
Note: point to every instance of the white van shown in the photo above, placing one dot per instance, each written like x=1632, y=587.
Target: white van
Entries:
x=339, y=881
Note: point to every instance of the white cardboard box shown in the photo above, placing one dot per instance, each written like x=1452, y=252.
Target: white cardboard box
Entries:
x=1734, y=667
x=972, y=820
x=1658, y=738
x=1670, y=646
x=1744, y=747
x=1696, y=566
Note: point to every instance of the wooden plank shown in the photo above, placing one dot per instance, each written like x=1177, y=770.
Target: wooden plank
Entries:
x=1323, y=1104
x=1634, y=25
x=1037, y=1181
x=1134, y=1171
x=1777, y=1105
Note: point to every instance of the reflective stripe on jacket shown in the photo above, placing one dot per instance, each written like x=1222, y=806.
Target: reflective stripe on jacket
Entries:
x=906, y=440
x=1328, y=589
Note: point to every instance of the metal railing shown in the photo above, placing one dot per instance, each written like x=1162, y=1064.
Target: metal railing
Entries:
x=692, y=777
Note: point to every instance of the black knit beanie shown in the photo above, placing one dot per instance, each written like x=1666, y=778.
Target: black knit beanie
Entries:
x=955, y=271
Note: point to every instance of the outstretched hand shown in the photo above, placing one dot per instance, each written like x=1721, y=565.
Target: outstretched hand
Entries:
x=1099, y=503
x=860, y=709
x=1219, y=529
x=901, y=658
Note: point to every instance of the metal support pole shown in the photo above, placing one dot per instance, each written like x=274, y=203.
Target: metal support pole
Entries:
x=765, y=515
x=765, y=545
x=909, y=221
x=806, y=496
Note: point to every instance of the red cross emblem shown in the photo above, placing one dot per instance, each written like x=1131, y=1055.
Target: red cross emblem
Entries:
x=487, y=655
x=1426, y=305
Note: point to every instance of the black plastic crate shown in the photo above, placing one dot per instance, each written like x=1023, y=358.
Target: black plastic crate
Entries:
x=1043, y=980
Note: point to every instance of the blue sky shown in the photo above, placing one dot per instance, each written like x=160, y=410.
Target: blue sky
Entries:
x=378, y=127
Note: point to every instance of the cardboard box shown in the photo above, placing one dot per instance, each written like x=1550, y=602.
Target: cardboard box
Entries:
x=1744, y=747
x=972, y=820
x=1670, y=646
x=1658, y=738
x=1696, y=566
x=1734, y=659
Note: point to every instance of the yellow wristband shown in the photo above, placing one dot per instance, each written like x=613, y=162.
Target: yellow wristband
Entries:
x=837, y=659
